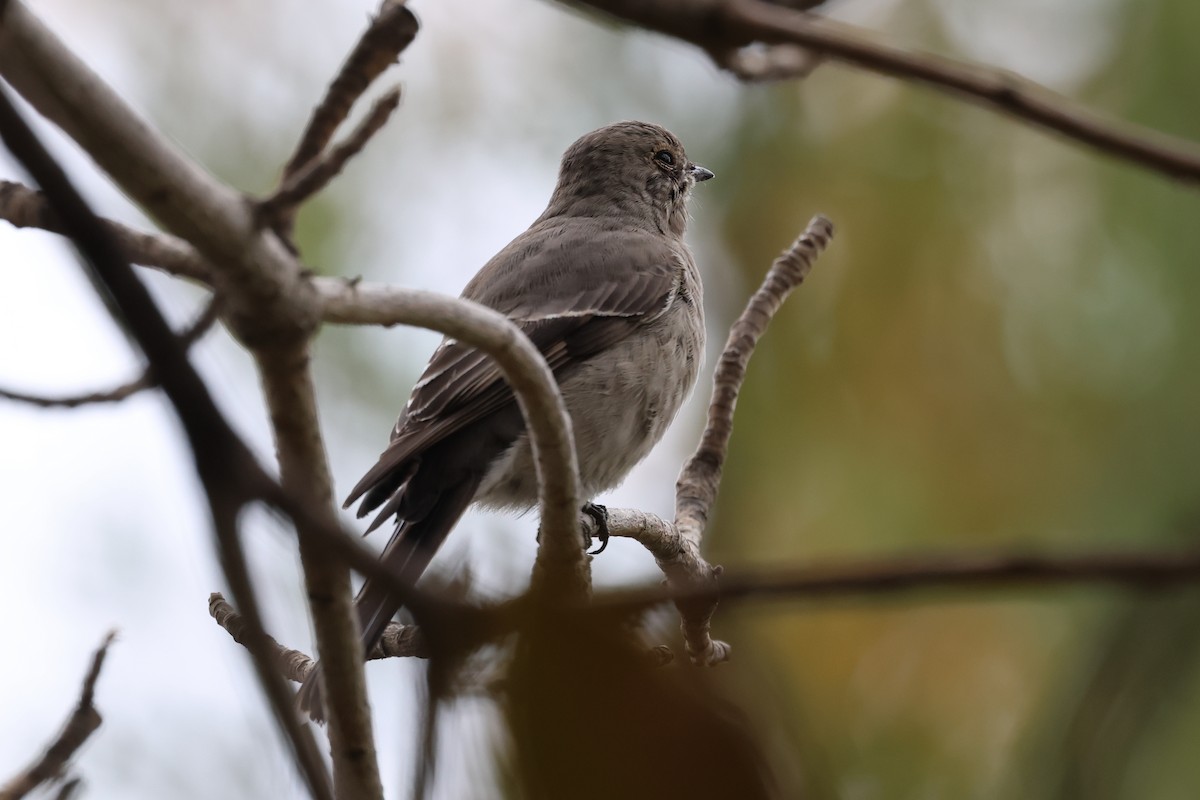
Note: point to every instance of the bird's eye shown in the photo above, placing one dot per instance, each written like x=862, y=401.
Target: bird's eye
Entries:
x=664, y=157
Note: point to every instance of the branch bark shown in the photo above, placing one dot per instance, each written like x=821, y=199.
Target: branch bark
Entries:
x=398, y=641
x=561, y=555
x=217, y=450
x=82, y=723
x=24, y=207
x=723, y=26
x=1140, y=571
x=676, y=546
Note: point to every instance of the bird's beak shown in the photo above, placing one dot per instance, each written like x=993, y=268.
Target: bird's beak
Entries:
x=699, y=173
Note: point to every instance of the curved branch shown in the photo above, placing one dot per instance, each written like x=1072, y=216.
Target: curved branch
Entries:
x=722, y=26
x=144, y=381
x=525, y=370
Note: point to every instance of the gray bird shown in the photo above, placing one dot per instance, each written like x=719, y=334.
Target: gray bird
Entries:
x=604, y=286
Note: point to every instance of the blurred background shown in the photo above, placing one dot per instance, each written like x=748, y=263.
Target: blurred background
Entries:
x=995, y=355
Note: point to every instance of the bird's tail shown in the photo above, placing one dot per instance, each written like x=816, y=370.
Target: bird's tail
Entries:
x=406, y=556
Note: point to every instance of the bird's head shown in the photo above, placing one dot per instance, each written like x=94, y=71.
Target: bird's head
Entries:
x=631, y=169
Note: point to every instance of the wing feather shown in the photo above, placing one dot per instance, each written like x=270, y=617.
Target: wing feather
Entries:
x=616, y=284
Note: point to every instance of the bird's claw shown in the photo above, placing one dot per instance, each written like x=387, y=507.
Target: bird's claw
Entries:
x=599, y=515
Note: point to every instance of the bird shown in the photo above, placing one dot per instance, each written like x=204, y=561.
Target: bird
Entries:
x=604, y=286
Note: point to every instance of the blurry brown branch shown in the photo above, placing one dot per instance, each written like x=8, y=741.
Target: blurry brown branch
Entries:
x=144, y=381
x=23, y=207
x=722, y=27
x=309, y=179
x=390, y=32
x=1142, y=571
x=82, y=723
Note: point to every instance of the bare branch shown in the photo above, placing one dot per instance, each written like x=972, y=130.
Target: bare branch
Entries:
x=23, y=207
x=398, y=641
x=82, y=723
x=723, y=26
x=531, y=379
x=696, y=490
x=217, y=449
x=268, y=306
x=697, y=486
x=391, y=31
x=260, y=280
x=306, y=181
x=851, y=582
x=144, y=381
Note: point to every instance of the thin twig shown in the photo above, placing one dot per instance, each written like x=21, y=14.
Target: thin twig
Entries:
x=398, y=641
x=23, y=207
x=390, y=32
x=82, y=723
x=720, y=26
x=146, y=380
x=697, y=486
x=309, y=179
x=216, y=448
x=696, y=489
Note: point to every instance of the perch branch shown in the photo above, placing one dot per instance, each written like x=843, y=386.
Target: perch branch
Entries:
x=723, y=26
x=144, y=381
x=696, y=489
x=82, y=723
x=676, y=546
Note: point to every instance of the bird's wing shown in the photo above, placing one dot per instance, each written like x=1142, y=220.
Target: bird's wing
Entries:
x=611, y=290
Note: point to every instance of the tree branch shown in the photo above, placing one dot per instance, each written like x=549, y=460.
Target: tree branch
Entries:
x=560, y=555
x=723, y=26
x=927, y=573
x=280, y=208
x=266, y=299
x=82, y=723
x=115, y=395
x=390, y=32
x=217, y=450
x=676, y=546
x=23, y=207
x=398, y=641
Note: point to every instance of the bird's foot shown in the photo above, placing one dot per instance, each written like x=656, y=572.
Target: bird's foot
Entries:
x=599, y=515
